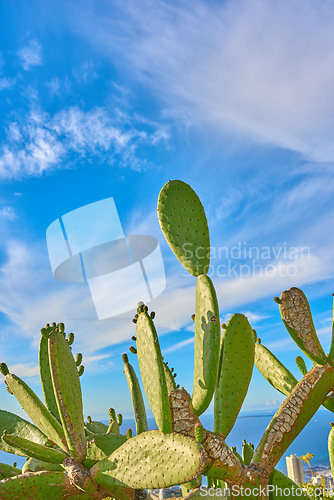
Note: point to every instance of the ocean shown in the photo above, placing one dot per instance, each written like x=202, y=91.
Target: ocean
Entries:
x=251, y=426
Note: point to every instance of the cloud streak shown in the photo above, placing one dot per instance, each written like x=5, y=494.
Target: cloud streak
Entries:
x=40, y=143
x=247, y=66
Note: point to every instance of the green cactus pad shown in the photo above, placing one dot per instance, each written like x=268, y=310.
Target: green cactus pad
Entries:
x=67, y=391
x=236, y=367
x=39, y=486
x=46, y=379
x=35, y=409
x=297, y=318
x=34, y=450
x=8, y=471
x=170, y=379
x=14, y=424
x=247, y=453
x=96, y=427
x=184, y=225
x=284, y=488
x=152, y=460
x=34, y=465
x=293, y=414
x=101, y=446
x=136, y=397
x=152, y=371
x=273, y=370
x=207, y=341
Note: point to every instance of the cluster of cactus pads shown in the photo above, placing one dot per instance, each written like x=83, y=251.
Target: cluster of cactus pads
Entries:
x=68, y=458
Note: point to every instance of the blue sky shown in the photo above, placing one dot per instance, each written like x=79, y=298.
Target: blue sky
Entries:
x=112, y=99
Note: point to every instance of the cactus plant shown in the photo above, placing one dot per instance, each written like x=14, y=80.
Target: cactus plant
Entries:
x=99, y=461
x=94, y=459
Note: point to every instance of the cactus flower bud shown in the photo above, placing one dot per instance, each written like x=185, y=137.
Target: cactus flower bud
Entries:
x=112, y=414
x=81, y=369
x=301, y=365
x=4, y=369
x=89, y=419
x=152, y=314
x=193, y=317
x=120, y=419
x=198, y=432
x=78, y=359
x=133, y=350
x=70, y=338
x=277, y=300
x=125, y=358
x=128, y=434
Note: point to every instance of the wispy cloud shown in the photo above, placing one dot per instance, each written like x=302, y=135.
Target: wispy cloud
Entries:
x=31, y=55
x=179, y=346
x=250, y=67
x=39, y=143
x=7, y=83
x=8, y=213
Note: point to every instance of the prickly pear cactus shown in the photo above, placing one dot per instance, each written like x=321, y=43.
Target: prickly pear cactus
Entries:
x=68, y=458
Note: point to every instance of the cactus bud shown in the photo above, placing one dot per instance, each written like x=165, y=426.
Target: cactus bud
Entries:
x=301, y=365
x=277, y=300
x=125, y=358
x=193, y=317
x=133, y=350
x=233, y=448
x=258, y=340
x=136, y=316
x=128, y=434
x=198, y=432
x=45, y=333
x=171, y=370
x=134, y=321
x=224, y=326
x=81, y=369
x=78, y=359
x=254, y=335
x=54, y=324
x=244, y=441
x=15, y=464
x=89, y=419
x=134, y=338
x=120, y=419
x=140, y=307
x=152, y=314
x=178, y=386
x=4, y=432
x=61, y=327
x=145, y=308
x=331, y=424
x=70, y=338
x=4, y=369
x=174, y=375
x=112, y=414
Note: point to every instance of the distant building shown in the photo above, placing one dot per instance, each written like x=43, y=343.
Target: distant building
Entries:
x=323, y=475
x=295, y=469
x=172, y=492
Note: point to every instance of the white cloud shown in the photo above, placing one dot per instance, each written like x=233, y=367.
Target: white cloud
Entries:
x=41, y=143
x=6, y=83
x=179, y=346
x=260, y=68
x=8, y=213
x=31, y=55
